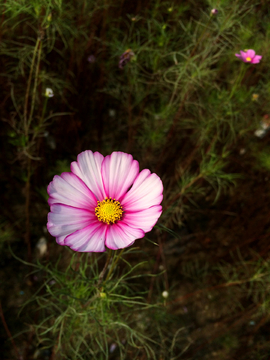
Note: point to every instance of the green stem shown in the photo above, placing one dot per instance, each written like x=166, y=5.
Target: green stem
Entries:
x=101, y=275
x=238, y=79
x=198, y=41
x=27, y=214
x=114, y=263
x=35, y=84
x=28, y=89
x=44, y=109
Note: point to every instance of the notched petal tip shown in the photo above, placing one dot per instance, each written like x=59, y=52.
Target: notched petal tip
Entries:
x=88, y=169
x=89, y=239
x=120, y=236
x=256, y=59
x=145, y=219
x=119, y=170
x=146, y=192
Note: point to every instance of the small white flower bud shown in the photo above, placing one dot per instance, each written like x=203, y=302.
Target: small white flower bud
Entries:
x=165, y=294
x=42, y=246
x=49, y=93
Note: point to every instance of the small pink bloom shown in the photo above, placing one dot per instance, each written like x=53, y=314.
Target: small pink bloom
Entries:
x=103, y=201
x=125, y=58
x=249, y=56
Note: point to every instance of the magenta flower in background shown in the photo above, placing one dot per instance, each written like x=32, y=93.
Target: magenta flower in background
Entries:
x=249, y=56
x=91, y=59
x=214, y=11
x=125, y=58
x=104, y=201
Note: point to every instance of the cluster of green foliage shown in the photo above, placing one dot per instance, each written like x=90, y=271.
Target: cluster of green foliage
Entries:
x=184, y=106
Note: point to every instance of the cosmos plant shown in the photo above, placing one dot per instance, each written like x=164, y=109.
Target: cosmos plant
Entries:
x=103, y=202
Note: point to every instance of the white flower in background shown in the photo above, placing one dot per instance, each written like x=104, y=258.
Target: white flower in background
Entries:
x=165, y=294
x=42, y=246
x=49, y=93
x=214, y=11
x=264, y=127
x=113, y=347
x=112, y=112
x=259, y=133
x=242, y=151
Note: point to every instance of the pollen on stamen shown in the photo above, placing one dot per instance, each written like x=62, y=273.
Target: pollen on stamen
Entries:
x=109, y=211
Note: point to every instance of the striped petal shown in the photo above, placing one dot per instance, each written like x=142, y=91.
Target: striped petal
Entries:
x=64, y=220
x=61, y=239
x=120, y=235
x=145, y=219
x=88, y=168
x=145, y=192
x=119, y=170
x=68, y=189
x=89, y=239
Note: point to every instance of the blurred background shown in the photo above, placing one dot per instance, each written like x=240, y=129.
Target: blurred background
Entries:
x=159, y=80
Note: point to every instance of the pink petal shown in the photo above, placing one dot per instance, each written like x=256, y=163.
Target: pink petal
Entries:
x=250, y=53
x=88, y=168
x=239, y=56
x=120, y=235
x=145, y=192
x=144, y=219
x=64, y=220
x=68, y=189
x=61, y=240
x=118, y=172
x=89, y=239
x=256, y=59
x=243, y=55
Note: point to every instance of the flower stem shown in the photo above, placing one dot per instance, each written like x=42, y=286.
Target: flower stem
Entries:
x=114, y=263
x=44, y=110
x=27, y=214
x=200, y=38
x=101, y=275
x=28, y=88
x=238, y=79
x=35, y=84
x=27, y=122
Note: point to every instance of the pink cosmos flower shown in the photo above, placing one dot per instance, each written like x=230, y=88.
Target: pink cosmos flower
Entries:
x=104, y=201
x=249, y=56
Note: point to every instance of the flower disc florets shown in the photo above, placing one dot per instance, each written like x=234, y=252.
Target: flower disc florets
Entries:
x=109, y=211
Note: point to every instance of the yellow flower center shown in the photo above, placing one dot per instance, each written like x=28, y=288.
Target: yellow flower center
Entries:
x=109, y=211
x=248, y=59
